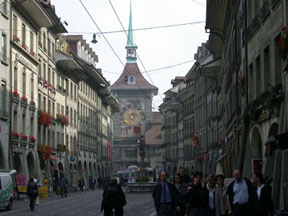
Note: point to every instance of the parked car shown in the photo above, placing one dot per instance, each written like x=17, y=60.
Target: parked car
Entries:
x=6, y=189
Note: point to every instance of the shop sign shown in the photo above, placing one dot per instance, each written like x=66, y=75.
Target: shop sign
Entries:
x=23, y=61
x=22, y=189
x=52, y=157
x=43, y=192
x=72, y=158
x=21, y=179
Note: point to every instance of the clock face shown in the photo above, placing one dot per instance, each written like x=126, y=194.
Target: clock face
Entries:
x=132, y=116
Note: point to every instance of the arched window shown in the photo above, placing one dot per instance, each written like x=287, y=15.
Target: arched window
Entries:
x=131, y=79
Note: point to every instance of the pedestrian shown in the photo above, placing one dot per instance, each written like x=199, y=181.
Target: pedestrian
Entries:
x=90, y=182
x=81, y=184
x=93, y=183
x=185, y=178
x=63, y=185
x=32, y=192
x=197, y=197
x=223, y=189
x=261, y=198
x=166, y=197
x=216, y=206
x=99, y=180
x=238, y=194
x=37, y=199
x=181, y=187
x=113, y=198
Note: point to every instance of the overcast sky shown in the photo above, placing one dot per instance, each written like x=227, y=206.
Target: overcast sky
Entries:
x=157, y=48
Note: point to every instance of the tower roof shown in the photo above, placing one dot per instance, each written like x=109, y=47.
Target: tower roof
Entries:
x=130, y=39
x=132, y=69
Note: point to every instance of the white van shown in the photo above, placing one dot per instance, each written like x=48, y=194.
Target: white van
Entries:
x=6, y=189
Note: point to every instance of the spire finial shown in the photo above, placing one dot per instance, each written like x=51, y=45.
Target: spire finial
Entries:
x=131, y=46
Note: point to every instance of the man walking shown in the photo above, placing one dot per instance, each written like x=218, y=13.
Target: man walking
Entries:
x=166, y=197
x=113, y=198
x=238, y=193
x=185, y=179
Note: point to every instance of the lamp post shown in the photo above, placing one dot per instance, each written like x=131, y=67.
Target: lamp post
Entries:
x=142, y=152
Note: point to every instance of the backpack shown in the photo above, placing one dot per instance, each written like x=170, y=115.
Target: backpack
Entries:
x=111, y=195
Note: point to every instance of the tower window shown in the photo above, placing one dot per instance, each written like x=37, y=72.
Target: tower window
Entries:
x=131, y=79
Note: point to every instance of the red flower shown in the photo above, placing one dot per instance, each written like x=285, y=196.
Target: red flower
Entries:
x=283, y=28
x=16, y=134
x=15, y=92
x=278, y=53
x=32, y=138
x=280, y=41
x=24, y=136
x=24, y=98
x=283, y=45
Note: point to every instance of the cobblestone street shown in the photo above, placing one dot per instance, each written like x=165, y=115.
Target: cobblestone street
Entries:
x=86, y=203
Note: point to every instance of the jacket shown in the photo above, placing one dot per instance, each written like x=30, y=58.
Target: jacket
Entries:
x=230, y=192
x=264, y=205
x=157, y=191
x=113, y=196
x=219, y=202
x=198, y=197
x=32, y=189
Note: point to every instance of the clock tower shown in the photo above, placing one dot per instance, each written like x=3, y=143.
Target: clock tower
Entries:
x=135, y=95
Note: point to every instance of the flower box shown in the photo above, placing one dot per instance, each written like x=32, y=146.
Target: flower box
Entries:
x=62, y=119
x=32, y=53
x=24, y=138
x=15, y=135
x=283, y=44
x=16, y=39
x=46, y=84
x=15, y=96
x=24, y=46
x=32, y=139
x=44, y=118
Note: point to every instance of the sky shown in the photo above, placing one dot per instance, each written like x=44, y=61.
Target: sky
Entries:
x=157, y=48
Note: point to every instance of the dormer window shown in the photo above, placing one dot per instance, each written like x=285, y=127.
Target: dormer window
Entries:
x=131, y=80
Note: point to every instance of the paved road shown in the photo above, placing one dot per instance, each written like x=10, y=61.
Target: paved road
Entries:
x=86, y=203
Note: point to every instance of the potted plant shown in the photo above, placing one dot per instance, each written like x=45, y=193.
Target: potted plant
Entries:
x=16, y=39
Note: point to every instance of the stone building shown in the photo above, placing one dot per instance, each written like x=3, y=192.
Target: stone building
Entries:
x=5, y=88
x=25, y=66
x=135, y=95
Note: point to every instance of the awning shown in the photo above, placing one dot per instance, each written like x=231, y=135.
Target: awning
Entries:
x=69, y=67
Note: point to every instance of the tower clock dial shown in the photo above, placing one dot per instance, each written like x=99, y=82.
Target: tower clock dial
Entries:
x=132, y=116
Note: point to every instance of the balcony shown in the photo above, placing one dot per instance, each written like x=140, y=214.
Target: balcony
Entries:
x=15, y=138
x=32, y=106
x=37, y=14
x=24, y=101
x=23, y=140
x=15, y=97
x=32, y=142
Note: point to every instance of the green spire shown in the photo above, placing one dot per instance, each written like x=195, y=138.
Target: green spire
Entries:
x=131, y=46
x=130, y=40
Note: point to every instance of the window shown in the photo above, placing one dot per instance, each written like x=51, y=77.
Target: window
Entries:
x=131, y=79
x=258, y=77
x=53, y=78
x=49, y=74
x=267, y=76
x=23, y=34
x=53, y=51
x=40, y=39
x=49, y=47
x=278, y=63
x=15, y=26
x=24, y=82
x=58, y=108
x=44, y=104
x=75, y=118
x=251, y=82
x=71, y=117
x=4, y=98
x=71, y=90
x=44, y=42
x=15, y=121
x=32, y=126
x=31, y=42
x=49, y=106
x=39, y=101
x=32, y=87
x=44, y=72
x=23, y=124
x=40, y=69
x=4, y=7
x=53, y=109
x=4, y=48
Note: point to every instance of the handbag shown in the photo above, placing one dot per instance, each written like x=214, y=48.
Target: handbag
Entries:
x=37, y=201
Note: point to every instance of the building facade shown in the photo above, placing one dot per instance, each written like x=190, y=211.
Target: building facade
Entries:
x=5, y=78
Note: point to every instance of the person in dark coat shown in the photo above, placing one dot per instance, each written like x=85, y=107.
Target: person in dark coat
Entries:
x=113, y=198
x=166, y=197
x=181, y=187
x=261, y=198
x=185, y=179
x=32, y=192
x=100, y=181
x=63, y=185
x=197, y=197
x=81, y=184
x=239, y=194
